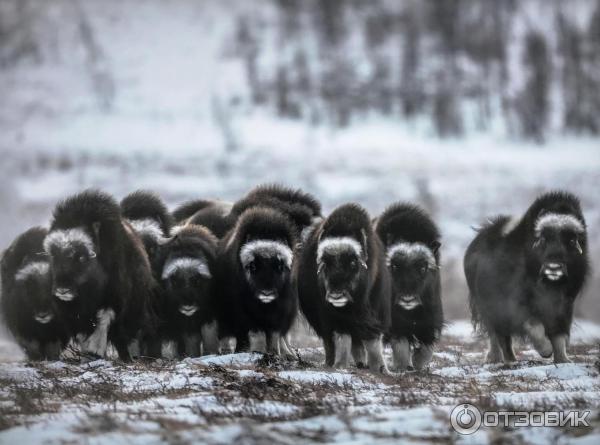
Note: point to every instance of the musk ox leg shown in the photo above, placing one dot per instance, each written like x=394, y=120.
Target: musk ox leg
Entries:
x=494, y=354
x=95, y=345
x=401, y=354
x=210, y=338
x=559, y=346
x=168, y=349
x=32, y=348
x=329, y=347
x=225, y=345
x=505, y=342
x=285, y=348
x=134, y=348
x=242, y=342
x=342, y=346
x=52, y=350
x=192, y=345
x=537, y=334
x=359, y=353
x=422, y=356
x=375, y=355
x=272, y=339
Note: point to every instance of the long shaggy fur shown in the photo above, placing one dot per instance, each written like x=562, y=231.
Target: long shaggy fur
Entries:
x=240, y=307
x=505, y=269
x=118, y=278
x=368, y=316
x=27, y=294
x=188, y=268
x=408, y=231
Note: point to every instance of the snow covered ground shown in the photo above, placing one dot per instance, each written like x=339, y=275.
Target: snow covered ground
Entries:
x=256, y=399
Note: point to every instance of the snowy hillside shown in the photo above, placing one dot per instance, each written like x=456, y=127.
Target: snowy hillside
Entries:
x=255, y=399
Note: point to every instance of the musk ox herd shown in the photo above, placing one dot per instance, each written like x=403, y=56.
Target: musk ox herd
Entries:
x=138, y=276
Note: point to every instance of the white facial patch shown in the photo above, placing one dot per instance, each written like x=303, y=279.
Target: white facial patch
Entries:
x=558, y=221
x=196, y=265
x=149, y=227
x=266, y=248
x=35, y=268
x=64, y=239
x=335, y=245
x=411, y=251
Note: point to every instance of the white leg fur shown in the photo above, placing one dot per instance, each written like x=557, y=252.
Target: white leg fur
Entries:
x=342, y=345
x=401, y=354
x=210, y=338
x=168, y=350
x=559, y=347
x=537, y=334
x=97, y=342
x=285, y=348
x=226, y=345
x=375, y=355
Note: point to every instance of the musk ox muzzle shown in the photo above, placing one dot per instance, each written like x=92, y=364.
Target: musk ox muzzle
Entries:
x=338, y=298
x=64, y=294
x=267, y=296
x=408, y=301
x=553, y=271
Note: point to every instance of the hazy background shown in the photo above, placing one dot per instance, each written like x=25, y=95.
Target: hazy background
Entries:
x=469, y=108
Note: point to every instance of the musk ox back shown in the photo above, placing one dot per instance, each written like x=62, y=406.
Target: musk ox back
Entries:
x=26, y=301
x=301, y=208
x=101, y=275
x=188, y=309
x=344, y=288
x=212, y=214
x=257, y=293
x=150, y=219
x=524, y=275
x=412, y=240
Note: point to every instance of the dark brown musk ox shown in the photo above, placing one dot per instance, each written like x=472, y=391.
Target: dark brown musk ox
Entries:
x=254, y=278
x=412, y=242
x=26, y=302
x=101, y=276
x=344, y=288
x=187, y=277
x=525, y=273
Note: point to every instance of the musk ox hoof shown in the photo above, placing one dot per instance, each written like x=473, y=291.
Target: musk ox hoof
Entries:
x=562, y=360
x=361, y=365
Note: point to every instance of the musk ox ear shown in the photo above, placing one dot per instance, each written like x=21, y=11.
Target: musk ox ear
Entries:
x=365, y=245
x=435, y=246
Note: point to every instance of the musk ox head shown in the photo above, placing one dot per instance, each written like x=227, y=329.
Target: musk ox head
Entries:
x=559, y=244
x=187, y=283
x=413, y=268
x=267, y=266
x=34, y=283
x=341, y=268
x=73, y=260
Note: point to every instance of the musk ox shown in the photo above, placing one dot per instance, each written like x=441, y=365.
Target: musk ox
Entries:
x=344, y=288
x=525, y=273
x=412, y=243
x=301, y=208
x=188, y=310
x=149, y=218
x=26, y=302
x=101, y=277
x=254, y=276
x=212, y=214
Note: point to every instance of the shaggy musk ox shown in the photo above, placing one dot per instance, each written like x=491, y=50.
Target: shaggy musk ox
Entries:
x=524, y=275
x=101, y=275
x=412, y=243
x=254, y=276
x=26, y=302
x=344, y=288
x=187, y=267
x=150, y=218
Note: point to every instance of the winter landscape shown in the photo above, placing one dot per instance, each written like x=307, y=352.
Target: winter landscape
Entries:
x=470, y=109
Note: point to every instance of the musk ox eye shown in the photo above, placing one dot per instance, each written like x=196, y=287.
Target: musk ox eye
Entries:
x=575, y=243
x=423, y=269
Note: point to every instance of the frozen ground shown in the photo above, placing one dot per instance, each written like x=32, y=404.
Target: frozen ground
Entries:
x=255, y=399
